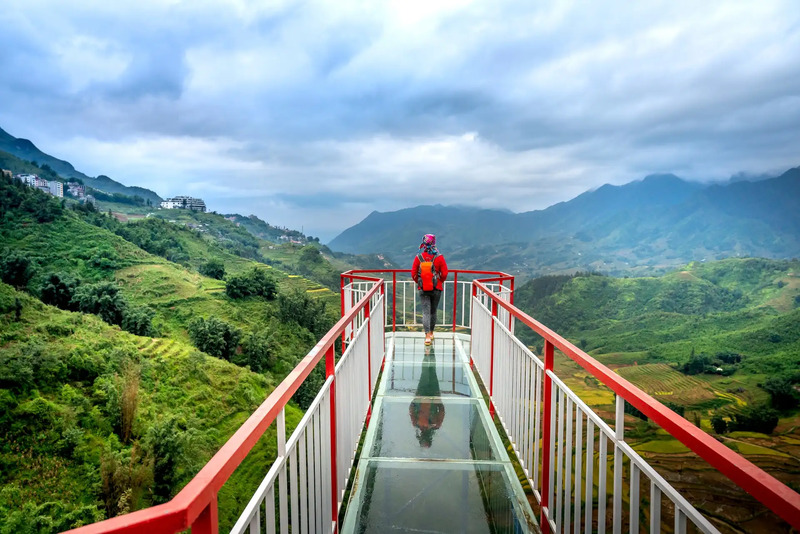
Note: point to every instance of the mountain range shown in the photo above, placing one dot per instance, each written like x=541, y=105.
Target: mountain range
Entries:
x=26, y=150
x=642, y=227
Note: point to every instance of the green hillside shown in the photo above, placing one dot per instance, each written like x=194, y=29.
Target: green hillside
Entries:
x=67, y=378
x=732, y=324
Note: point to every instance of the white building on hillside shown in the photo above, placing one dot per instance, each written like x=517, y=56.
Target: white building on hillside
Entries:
x=184, y=203
x=56, y=189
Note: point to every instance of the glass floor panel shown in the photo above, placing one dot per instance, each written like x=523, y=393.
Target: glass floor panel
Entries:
x=413, y=349
x=431, y=428
x=432, y=460
x=436, y=497
x=429, y=378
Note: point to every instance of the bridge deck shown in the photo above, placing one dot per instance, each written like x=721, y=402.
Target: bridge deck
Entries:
x=432, y=460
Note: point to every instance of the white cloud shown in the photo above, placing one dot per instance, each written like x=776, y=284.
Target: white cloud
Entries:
x=500, y=104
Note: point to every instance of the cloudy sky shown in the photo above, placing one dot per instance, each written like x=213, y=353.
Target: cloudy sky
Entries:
x=313, y=114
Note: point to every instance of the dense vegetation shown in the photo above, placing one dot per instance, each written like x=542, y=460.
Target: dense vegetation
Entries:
x=733, y=322
x=104, y=415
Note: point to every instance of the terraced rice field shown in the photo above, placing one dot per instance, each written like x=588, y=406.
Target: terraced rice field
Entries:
x=666, y=384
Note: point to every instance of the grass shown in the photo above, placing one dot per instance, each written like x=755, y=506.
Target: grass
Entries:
x=662, y=446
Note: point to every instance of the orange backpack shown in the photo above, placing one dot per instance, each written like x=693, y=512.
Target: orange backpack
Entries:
x=427, y=279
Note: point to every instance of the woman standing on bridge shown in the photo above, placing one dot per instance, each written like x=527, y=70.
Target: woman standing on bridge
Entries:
x=429, y=271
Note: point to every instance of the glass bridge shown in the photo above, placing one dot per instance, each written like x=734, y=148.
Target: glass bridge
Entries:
x=401, y=438
x=432, y=460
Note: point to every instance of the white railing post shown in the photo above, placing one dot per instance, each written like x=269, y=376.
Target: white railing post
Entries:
x=619, y=436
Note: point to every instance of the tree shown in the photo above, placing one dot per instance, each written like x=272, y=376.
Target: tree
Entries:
x=58, y=290
x=719, y=424
x=103, y=299
x=213, y=268
x=781, y=391
x=259, y=351
x=16, y=269
x=214, y=337
x=138, y=321
x=756, y=419
x=165, y=442
x=300, y=308
x=254, y=282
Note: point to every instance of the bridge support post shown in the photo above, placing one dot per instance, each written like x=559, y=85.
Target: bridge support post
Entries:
x=547, y=438
x=208, y=520
x=330, y=370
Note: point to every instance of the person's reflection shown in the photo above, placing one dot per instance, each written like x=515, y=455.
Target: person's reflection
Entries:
x=427, y=409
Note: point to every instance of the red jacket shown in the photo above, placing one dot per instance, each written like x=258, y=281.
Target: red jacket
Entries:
x=439, y=265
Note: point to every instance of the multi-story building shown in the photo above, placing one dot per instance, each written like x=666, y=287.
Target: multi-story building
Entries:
x=6, y=173
x=184, y=203
x=56, y=189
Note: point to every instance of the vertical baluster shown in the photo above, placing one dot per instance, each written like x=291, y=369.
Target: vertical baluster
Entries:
x=255, y=523
x=312, y=465
x=655, y=508
x=327, y=488
x=634, y=504
x=559, y=464
x=321, y=520
x=589, y=473
x=527, y=439
x=619, y=431
x=303, y=482
x=269, y=512
x=568, y=469
x=294, y=490
x=578, y=466
x=602, y=494
x=680, y=521
x=282, y=485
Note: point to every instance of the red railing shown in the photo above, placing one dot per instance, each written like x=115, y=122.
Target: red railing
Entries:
x=195, y=506
x=768, y=490
x=497, y=277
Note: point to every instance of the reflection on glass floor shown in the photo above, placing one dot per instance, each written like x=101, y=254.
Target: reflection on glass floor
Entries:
x=432, y=460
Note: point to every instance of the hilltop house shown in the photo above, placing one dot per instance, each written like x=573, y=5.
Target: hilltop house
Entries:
x=184, y=203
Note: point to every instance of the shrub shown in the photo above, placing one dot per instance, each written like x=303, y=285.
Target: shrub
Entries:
x=781, y=391
x=308, y=312
x=719, y=424
x=103, y=299
x=254, y=282
x=756, y=419
x=259, y=351
x=213, y=268
x=139, y=321
x=58, y=290
x=214, y=337
x=166, y=447
x=15, y=269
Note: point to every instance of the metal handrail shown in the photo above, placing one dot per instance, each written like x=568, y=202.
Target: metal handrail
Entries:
x=195, y=506
x=498, y=277
x=768, y=490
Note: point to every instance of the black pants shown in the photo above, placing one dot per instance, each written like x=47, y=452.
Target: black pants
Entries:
x=430, y=302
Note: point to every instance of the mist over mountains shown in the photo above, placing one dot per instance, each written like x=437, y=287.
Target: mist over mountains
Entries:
x=642, y=227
